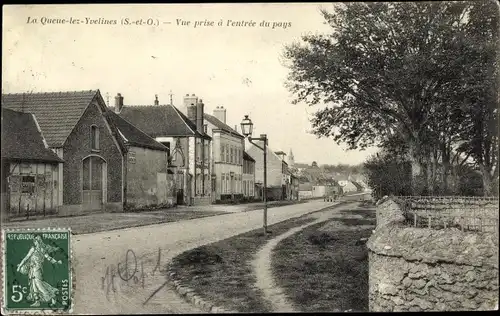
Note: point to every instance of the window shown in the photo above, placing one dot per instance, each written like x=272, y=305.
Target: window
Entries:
x=227, y=154
x=206, y=152
x=28, y=184
x=198, y=150
x=94, y=137
x=222, y=153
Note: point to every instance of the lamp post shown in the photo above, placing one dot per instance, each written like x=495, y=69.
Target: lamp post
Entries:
x=247, y=128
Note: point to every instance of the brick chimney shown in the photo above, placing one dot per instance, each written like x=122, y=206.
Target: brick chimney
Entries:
x=118, y=103
x=200, y=107
x=156, y=100
x=220, y=114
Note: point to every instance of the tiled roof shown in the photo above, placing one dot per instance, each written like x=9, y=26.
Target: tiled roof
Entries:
x=160, y=120
x=221, y=125
x=57, y=113
x=21, y=139
x=132, y=135
x=247, y=157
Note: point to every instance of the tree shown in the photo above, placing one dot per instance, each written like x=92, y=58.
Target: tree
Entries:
x=396, y=72
x=388, y=175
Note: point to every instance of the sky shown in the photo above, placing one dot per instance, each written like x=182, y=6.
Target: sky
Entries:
x=234, y=66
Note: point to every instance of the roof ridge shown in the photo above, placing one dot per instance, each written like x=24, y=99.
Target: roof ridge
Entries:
x=53, y=92
x=182, y=118
x=136, y=127
x=146, y=105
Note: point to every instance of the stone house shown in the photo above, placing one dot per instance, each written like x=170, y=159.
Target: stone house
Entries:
x=186, y=139
x=29, y=168
x=81, y=130
x=226, y=157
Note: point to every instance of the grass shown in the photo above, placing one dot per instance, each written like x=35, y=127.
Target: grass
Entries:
x=98, y=222
x=326, y=271
x=222, y=271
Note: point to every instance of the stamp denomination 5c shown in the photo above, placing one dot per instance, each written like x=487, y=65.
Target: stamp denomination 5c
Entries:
x=37, y=274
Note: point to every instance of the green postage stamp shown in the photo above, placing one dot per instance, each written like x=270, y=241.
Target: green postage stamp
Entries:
x=37, y=274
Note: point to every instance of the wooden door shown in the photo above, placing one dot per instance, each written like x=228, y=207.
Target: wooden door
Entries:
x=93, y=182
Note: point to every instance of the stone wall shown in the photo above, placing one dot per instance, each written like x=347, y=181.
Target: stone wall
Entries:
x=421, y=269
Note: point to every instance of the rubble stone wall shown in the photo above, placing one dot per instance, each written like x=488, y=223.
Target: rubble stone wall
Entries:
x=421, y=269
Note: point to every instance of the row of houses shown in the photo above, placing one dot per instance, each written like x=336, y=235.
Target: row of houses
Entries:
x=70, y=152
x=330, y=187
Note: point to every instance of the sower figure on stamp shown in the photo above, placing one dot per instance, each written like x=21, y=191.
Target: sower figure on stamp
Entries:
x=32, y=265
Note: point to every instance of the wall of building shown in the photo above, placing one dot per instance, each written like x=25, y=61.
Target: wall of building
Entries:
x=274, y=166
x=227, y=186
x=248, y=179
x=196, y=170
x=148, y=183
x=33, y=187
x=418, y=269
x=319, y=190
x=305, y=194
x=78, y=147
x=347, y=186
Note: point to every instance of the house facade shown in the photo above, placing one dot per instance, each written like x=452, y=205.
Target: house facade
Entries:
x=29, y=168
x=76, y=128
x=248, y=177
x=305, y=190
x=186, y=139
x=227, y=157
x=347, y=186
x=148, y=180
x=278, y=176
x=96, y=146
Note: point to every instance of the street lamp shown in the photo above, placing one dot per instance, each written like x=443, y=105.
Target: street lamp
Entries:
x=247, y=128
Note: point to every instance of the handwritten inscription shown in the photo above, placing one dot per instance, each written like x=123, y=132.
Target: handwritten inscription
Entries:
x=130, y=272
x=154, y=22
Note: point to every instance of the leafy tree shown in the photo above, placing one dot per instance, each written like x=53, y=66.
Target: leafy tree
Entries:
x=406, y=76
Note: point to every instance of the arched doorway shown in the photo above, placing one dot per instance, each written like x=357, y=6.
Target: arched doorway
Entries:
x=94, y=182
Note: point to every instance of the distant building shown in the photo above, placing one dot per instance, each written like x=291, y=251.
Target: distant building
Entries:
x=305, y=190
x=278, y=176
x=347, y=186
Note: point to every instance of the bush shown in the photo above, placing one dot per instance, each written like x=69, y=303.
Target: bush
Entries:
x=388, y=176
